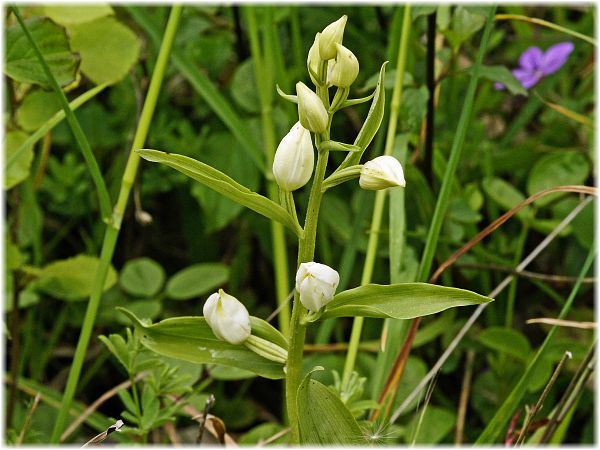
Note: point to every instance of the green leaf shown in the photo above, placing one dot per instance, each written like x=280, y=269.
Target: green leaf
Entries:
x=108, y=49
x=557, y=169
x=436, y=424
x=260, y=433
x=21, y=62
x=464, y=24
x=372, y=122
x=243, y=87
x=73, y=14
x=323, y=418
x=142, y=277
x=19, y=170
x=413, y=108
x=36, y=109
x=502, y=75
x=506, y=340
x=399, y=301
x=196, y=280
x=72, y=279
x=506, y=195
x=223, y=184
x=118, y=347
x=191, y=339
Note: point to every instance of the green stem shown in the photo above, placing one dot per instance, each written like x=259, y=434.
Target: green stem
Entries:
x=455, y=154
x=82, y=142
x=112, y=230
x=263, y=69
x=380, y=195
x=512, y=289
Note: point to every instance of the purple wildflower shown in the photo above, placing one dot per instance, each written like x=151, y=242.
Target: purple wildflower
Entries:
x=534, y=64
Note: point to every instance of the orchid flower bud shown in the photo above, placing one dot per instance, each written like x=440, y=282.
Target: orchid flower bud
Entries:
x=294, y=159
x=313, y=59
x=345, y=69
x=311, y=111
x=381, y=173
x=316, y=283
x=227, y=317
x=331, y=35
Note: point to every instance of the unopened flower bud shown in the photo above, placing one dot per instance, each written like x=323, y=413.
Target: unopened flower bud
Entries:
x=331, y=35
x=381, y=173
x=311, y=111
x=313, y=59
x=294, y=159
x=227, y=317
x=345, y=69
x=316, y=283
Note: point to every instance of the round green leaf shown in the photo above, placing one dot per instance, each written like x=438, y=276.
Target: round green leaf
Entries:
x=196, y=280
x=75, y=14
x=108, y=49
x=142, y=277
x=506, y=340
x=37, y=108
x=19, y=169
x=21, y=62
x=243, y=87
x=557, y=169
x=72, y=279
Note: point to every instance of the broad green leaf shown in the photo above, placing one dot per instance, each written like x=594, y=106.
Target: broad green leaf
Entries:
x=506, y=195
x=142, y=277
x=196, y=280
x=223, y=184
x=36, y=109
x=506, y=340
x=399, y=301
x=413, y=108
x=108, y=49
x=49, y=124
x=502, y=75
x=75, y=14
x=464, y=24
x=323, y=418
x=148, y=309
x=21, y=62
x=436, y=424
x=72, y=279
x=371, y=124
x=557, y=169
x=19, y=170
x=229, y=373
x=191, y=339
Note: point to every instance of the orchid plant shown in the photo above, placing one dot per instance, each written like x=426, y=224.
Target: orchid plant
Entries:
x=227, y=334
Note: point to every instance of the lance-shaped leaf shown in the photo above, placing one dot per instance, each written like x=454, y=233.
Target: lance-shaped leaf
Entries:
x=223, y=184
x=372, y=122
x=323, y=418
x=399, y=301
x=191, y=339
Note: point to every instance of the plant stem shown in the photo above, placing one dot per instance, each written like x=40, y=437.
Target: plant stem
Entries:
x=263, y=69
x=380, y=195
x=306, y=253
x=112, y=230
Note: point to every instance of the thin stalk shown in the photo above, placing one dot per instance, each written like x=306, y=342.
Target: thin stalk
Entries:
x=464, y=398
x=547, y=24
x=512, y=290
x=82, y=142
x=263, y=69
x=112, y=230
x=380, y=195
x=540, y=402
x=306, y=252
